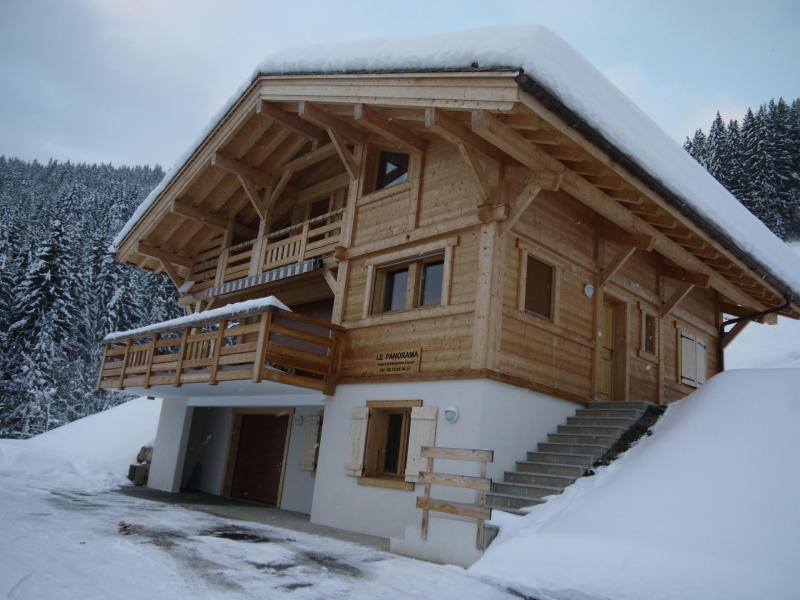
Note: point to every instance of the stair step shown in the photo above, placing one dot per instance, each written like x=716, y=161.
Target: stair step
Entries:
x=582, y=460
x=582, y=449
x=635, y=404
x=545, y=468
x=496, y=500
x=623, y=422
x=614, y=432
x=526, y=490
x=582, y=438
x=627, y=413
x=537, y=479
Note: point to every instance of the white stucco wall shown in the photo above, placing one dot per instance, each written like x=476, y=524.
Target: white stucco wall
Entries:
x=493, y=415
x=169, y=450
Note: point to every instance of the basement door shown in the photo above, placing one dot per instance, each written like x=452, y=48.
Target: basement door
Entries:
x=605, y=387
x=258, y=470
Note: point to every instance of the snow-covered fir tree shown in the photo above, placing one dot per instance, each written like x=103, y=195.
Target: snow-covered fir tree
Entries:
x=759, y=162
x=60, y=290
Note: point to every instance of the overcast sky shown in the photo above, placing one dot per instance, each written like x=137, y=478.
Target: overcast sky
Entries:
x=134, y=81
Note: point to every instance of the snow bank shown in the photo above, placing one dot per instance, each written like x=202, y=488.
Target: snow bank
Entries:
x=707, y=507
x=556, y=66
x=93, y=452
x=229, y=310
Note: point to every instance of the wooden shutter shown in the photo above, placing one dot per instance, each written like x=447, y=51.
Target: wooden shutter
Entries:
x=422, y=433
x=356, y=441
x=308, y=452
x=688, y=359
x=700, y=350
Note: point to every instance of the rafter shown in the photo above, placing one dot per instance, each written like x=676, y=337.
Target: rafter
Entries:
x=347, y=158
x=311, y=158
x=519, y=206
x=374, y=121
x=324, y=120
x=673, y=272
x=289, y=121
x=242, y=169
x=612, y=233
x=440, y=123
x=161, y=254
x=528, y=154
x=186, y=209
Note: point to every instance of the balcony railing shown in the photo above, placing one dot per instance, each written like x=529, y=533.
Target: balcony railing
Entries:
x=311, y=239
x=255, y=345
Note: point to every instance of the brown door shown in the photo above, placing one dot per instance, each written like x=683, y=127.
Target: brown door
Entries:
x=605, y=388
x=259, y=458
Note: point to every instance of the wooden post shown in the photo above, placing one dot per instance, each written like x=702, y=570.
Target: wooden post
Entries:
x=427, y=495
x=181, y=355
x=261, y=345
x=150, y=356
x=303, y=241
x=481, y=501
x=218, y=341
x=120, y=383
x=102, y=365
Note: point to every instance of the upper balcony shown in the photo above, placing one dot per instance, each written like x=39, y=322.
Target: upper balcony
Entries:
x=251, y=341
x=257, y=262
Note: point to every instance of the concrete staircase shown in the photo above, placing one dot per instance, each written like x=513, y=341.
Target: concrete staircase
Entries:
x=566, y=455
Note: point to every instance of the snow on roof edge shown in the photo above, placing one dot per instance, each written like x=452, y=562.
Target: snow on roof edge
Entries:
x=229, y=310
x=572, y=81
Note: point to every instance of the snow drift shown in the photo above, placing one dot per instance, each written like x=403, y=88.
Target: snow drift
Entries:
x=93, y=452
x=707, y=507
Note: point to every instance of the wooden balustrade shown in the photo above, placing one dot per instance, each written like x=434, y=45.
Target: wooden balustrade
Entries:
x=266, y=344
x=310, y=239
x=482, y=484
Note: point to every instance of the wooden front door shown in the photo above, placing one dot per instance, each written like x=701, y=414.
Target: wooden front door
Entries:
x=605, y=387
x=259, y=458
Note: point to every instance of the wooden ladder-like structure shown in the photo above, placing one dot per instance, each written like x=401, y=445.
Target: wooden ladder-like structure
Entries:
x=482, y=484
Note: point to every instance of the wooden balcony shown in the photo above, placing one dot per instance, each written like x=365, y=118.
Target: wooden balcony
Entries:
x=256, y=345
x=311, y=239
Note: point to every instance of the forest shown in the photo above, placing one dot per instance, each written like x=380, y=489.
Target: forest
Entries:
x=61, y=291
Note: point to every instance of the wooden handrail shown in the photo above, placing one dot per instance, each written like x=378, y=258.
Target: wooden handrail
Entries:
x=482, y=484
x=264, y=343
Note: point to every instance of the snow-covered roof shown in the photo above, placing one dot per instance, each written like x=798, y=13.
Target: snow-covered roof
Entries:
x=572, y=81
x=228, y=311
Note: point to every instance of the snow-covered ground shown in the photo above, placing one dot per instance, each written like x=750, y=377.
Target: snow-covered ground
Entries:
x=66, y=533
x=706, y=507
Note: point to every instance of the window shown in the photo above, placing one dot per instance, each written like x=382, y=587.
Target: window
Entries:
x=691, y=359
x=648, y=342
x=386, y=448
x=409, y=284
x=392, y=169
x=539, y=284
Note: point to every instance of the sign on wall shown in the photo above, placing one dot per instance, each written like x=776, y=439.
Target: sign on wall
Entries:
x=396, y=361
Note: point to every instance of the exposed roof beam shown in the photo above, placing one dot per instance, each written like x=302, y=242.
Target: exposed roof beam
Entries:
x=440, y=123
x=324, y=187
x=279, y=188
x=733, y=333
x=254, y=196
x=613, y=233
x=237, y=167
x=508, y=140
x=679, y=294
x=698, y=279
x=289, y=121
x=609, y=271
x=172, y=273
x=475, y=170
x=347, y=158
x=314, y=114
x=154, y=252
x=311, y=158
x=520, y=205
x=377, y=123
x=186, y=209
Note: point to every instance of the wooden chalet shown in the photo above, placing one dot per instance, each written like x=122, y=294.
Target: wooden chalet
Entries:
x=449, y=235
